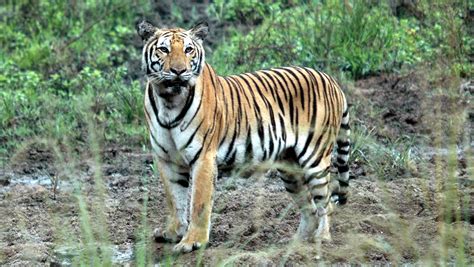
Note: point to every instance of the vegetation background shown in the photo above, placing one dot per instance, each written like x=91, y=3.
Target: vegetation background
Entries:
x=77, y=184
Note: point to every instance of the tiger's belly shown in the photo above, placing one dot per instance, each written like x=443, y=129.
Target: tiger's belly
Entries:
x=246, y=151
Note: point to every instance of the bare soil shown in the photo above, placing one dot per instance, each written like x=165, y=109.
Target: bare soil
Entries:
x=386, y=221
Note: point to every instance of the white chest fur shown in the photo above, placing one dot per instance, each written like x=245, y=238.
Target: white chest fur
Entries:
x=172, y=132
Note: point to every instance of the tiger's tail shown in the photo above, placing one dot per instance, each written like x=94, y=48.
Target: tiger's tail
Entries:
x=343, y=145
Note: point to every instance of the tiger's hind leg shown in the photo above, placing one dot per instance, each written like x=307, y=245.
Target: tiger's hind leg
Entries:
x=317, y=180
x=292, y=175
x=294, y=185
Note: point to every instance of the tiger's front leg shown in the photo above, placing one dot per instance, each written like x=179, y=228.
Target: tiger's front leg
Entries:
x=203, y=175
x=175, y=181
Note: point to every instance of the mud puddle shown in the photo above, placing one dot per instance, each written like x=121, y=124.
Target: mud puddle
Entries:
x=70, y=255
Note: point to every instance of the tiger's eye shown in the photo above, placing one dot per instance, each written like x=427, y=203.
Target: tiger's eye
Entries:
x=163, y=49
x=188, y=50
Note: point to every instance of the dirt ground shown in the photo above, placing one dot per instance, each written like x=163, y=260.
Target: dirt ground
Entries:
x=389, y=221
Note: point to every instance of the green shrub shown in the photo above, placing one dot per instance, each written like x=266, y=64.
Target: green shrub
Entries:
x=35, y=107
x=243, y=11
x=58, y=62
x=357, y=39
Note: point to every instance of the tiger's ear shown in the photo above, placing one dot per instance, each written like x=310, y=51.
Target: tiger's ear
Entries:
x=200, y=30
x=145, y=29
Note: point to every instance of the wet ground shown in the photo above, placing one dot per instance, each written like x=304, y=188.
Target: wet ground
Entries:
x=396, y=220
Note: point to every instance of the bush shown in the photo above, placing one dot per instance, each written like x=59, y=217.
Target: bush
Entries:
x=250, y=12
x=59, y=62
x=36, y=107
x=356, y=39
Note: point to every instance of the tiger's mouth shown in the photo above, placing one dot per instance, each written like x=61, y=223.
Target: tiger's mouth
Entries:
x=171, y=88
x=175, y=83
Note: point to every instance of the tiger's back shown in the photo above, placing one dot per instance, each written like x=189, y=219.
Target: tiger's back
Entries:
x=270, y=111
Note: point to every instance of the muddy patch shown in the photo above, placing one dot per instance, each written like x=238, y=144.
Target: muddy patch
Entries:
x=394, y=105
x=253, y=220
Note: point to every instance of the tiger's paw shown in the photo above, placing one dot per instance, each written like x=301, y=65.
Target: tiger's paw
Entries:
x=193, y=240
x=323, y=233
x=169, y=235
x=185, y=247
x=324, y=236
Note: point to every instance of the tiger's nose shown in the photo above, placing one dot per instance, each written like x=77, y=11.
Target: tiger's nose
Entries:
x=177, y=71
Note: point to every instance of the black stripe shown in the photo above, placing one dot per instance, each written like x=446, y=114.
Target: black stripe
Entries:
x=342, y=152
x=297, y=127
x=158, y=144
x=192, y=136
x=291, y=110
x=314, y=90
x=270, y=87
x=152, y=102
x=341, y=161
x=278, y=148
x=283, y=128
x=290, y=190
x=343, y=143
x=231, y=160
x=300, y=87
x=323, y=90
x=248, y=142
x=316, y=148
x=231, y=89
x=267, y=103
x=343, y=168
x=299, y=70
x=308, y=141
x=287, y=181
x=287, y=79
x=183, y=183
x=257, y=112
x=196, y=156
x=318, y=198
x=275, y=91
x=231, y=145
x=261, y=136
x=238, y=85
x=191, y=120
x=283, y=85
x=329, y=149
x=345, y=126
x=270, y=140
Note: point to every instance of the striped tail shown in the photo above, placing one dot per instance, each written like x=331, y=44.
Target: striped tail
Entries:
x=340, y=186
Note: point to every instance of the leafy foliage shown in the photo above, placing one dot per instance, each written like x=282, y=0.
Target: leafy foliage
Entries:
x=355, y=38
x=60, y=60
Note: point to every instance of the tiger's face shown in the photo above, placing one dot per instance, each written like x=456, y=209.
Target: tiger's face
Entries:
x=172, y=58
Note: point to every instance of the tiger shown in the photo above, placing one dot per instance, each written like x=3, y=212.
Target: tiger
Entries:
x=200, y=123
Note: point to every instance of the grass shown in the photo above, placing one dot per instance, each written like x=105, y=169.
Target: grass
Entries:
x=388, y=160
x=69, y=82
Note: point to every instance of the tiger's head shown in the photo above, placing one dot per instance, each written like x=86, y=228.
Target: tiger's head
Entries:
x=172, y=58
